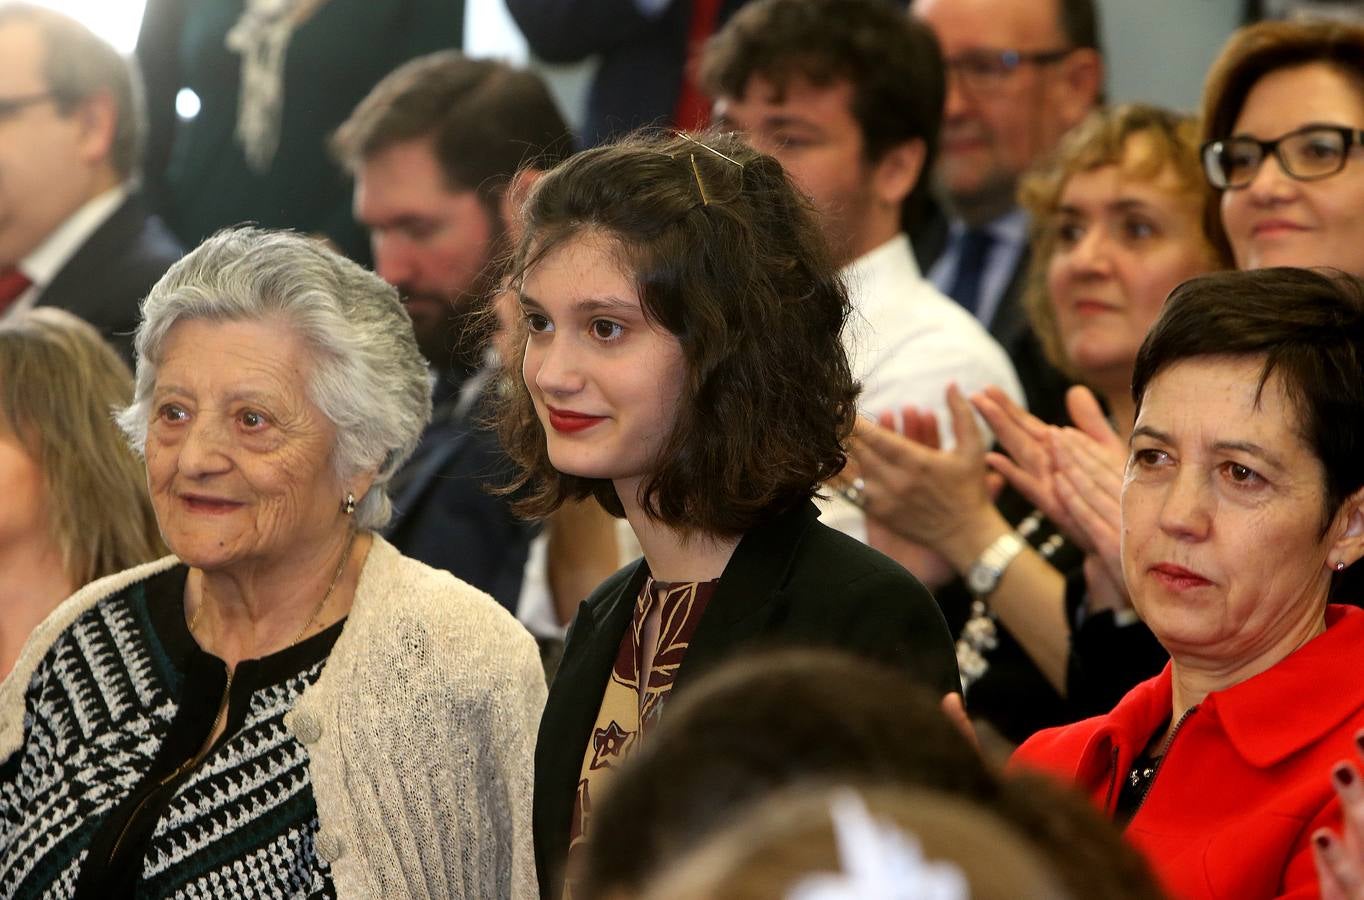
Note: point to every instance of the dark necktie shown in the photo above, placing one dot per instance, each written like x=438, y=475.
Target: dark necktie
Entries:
x=971, y=262
x=12, y=284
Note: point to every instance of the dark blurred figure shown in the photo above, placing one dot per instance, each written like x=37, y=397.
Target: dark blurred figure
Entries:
x=775, y=721
x=74, y=231
x=274, y=78
x=1019, y=76
x=646, y=48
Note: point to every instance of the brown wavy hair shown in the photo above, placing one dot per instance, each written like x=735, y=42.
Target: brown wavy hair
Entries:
x=1100, y=140
x=725, y=255
x=60, y=384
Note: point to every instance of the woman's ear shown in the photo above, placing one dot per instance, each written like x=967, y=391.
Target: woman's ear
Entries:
x=360, y=483
x=1349, y=543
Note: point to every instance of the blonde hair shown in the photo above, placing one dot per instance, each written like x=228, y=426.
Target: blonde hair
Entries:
x=1104, y=139
x=60, y=384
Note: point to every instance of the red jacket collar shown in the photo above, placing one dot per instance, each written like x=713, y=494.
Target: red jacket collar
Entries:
x=1292, y=704
x=1266, y=718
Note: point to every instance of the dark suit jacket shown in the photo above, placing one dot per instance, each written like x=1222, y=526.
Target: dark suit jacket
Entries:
x=106, y=280
x=791, y=581
x=445, y=515
x=1044, y=386
x=640, y=76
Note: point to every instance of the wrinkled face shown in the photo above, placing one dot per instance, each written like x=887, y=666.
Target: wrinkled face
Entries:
x=990, y=137
x=1221, y=515
x=605, y=381
x=1277, y=220
x=430, y=242
x=1123, y=242
x=811, y=131
x=24, y=515
x=45, y=156
x=238, y=455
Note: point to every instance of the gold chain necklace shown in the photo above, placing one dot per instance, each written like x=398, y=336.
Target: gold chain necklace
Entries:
x=317, y=610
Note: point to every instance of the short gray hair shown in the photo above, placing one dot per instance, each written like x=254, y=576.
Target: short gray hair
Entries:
x=369, y=378
x=79, y=64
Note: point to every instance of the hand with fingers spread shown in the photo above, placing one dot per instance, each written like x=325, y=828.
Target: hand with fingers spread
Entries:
x=1089, y=486
x=924, y=494
x=1027, y=460
x=1340, y=858
x=1048, y=464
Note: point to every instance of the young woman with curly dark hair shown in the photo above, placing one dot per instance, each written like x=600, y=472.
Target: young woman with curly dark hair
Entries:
x=682, y=364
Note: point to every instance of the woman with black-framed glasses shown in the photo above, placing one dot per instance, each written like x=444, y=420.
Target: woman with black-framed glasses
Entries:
x=1283, y=128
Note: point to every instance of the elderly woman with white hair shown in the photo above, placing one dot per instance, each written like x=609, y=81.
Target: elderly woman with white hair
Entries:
x=287, y=706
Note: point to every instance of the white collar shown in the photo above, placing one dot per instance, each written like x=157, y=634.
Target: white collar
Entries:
x=47, y=259
x=892, y=262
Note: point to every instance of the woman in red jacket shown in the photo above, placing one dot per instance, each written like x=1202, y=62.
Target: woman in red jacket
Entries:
x=1243, y=499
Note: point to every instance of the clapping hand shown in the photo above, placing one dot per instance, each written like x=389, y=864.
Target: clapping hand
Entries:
x=913, y=486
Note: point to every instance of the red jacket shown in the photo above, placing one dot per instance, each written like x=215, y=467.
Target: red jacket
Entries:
x=1247, y=778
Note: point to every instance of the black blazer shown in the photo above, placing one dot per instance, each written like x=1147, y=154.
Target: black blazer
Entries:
x=639, y=76
x=446, y=514
x=790, y=581
x=1043, y=384
x=106, y=280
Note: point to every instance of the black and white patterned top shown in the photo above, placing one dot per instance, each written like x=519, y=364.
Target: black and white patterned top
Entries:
x=94, y=802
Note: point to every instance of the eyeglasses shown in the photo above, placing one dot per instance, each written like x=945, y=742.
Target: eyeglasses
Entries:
x=985, y=70
x=1316, y=151
x=10, y=106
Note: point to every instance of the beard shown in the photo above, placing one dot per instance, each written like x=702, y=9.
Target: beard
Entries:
x=451, y=332
x=454, y=327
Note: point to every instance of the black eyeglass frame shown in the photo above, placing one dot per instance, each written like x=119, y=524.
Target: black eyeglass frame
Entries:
x=1211, y=150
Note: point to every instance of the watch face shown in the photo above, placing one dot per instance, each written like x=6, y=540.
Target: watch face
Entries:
x=980, y=580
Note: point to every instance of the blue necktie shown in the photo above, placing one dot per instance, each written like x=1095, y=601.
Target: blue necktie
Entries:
x=972, y=257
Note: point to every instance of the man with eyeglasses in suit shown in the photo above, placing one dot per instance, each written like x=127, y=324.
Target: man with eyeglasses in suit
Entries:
x=74, y=230
x=1019, y=75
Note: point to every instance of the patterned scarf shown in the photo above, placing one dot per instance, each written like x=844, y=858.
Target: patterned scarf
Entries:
x=629, y=709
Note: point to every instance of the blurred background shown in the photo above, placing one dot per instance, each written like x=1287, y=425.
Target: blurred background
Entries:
x=1148, y=59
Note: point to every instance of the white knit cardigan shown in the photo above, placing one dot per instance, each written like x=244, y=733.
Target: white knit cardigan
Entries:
x=420, y=732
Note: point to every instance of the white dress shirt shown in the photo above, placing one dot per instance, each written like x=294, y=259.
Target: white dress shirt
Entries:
x=907, y=341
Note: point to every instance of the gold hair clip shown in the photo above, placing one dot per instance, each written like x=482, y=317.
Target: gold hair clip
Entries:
x=709, y=149
x=696, y=170
x=700, y=185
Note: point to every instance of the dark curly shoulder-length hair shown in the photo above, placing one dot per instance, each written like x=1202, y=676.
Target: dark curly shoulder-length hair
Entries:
x=725, y=255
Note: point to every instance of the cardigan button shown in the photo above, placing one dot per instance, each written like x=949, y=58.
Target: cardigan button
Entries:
x=329, y=846
x=306, y=727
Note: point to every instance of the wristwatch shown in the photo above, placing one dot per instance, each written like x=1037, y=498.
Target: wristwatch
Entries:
x=984, y=574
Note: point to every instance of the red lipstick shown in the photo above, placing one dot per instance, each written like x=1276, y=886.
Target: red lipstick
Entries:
x=569, y=422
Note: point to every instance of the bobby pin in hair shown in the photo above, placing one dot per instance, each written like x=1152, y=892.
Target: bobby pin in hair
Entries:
x=696, y=170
